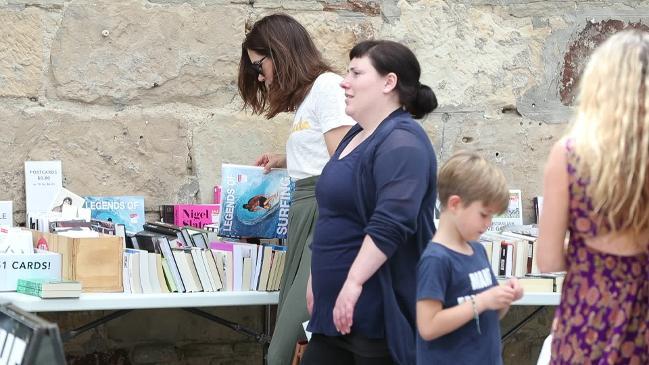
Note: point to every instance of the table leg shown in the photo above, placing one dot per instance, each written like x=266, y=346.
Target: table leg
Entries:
x=259, y=337
x=77, y=331
x=521, y=323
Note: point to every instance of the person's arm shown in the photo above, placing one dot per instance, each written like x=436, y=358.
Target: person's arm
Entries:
x=333, y=137
x=271, y=160
x=554, y=217
x=434, y=322
x=367, y=262
x=403, y=173
x=309, y=296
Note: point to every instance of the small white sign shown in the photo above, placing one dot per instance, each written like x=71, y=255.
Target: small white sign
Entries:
x=7, y=213
x=39, y=265
x=43, y=181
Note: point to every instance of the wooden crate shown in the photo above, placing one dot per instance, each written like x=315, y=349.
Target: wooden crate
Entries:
x=95, y=262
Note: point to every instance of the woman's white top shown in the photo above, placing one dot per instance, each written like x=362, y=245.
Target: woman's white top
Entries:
x=322, y=110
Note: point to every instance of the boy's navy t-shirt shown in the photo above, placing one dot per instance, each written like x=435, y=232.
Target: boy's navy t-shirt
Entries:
x=452, y=277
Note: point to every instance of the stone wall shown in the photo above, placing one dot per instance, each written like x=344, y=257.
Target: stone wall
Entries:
x=139, y=97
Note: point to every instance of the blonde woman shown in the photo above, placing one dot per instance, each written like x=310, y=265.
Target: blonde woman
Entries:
x=596, y=186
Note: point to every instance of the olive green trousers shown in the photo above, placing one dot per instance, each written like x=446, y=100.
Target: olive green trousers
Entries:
x=291, y=311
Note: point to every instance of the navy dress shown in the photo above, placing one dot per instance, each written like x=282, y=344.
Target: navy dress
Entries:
x=385, y=189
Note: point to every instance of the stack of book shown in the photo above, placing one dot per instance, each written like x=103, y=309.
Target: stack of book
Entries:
x=514, y=254
x=49, y=288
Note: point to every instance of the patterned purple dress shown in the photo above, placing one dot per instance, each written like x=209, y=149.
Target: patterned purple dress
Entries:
x=604, y=311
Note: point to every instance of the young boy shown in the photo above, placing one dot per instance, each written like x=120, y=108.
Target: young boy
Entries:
x=459, y=301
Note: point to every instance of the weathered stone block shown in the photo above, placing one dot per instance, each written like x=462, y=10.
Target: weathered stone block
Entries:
x=217, y=350
x=21, y=53
x=129, y=52
x=122, y=153
x=45, y=4
x=472, y=57
x=517, y=145
x=234, y=138
x=154, y=353
x=524, y=345
x=182, y=328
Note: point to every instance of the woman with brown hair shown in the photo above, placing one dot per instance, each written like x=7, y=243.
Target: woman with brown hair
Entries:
x=281, y=70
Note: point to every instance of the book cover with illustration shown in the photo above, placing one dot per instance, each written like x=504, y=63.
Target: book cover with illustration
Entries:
x=254, y=204
x=196, y=215
x=127, y=210
x=513, y=216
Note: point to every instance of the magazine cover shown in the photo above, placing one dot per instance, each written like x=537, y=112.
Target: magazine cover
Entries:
x=512, y=216
x=127, y=210
x=254, y=204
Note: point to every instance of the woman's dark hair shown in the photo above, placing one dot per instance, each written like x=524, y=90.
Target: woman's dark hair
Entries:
x=389, y=56
x=296, y=60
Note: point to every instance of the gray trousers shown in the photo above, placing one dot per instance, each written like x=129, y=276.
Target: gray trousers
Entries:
x=291, y=311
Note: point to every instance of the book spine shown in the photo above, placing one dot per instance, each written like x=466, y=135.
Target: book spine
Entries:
x=28, y=291
x=530, y=256
x=29, y=284
x=503, y=259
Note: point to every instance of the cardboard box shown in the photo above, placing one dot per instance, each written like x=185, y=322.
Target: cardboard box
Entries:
x=96, y=262
x=39, y=265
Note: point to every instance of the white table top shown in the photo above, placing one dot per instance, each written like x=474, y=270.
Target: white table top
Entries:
x=539, y=299
x=116, y=301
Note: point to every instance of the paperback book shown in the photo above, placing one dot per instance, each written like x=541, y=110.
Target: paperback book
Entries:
x=46, y=294
x=254, y=204
x=49, y=288
x=126, y=210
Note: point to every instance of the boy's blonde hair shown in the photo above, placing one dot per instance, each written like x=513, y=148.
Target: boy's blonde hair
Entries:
x=469, y=176
x=611, y=131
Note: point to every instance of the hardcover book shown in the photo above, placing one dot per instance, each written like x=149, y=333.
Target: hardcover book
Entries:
x=196, y=215
x=126, y=210
x=47, y=284
x=254, y=204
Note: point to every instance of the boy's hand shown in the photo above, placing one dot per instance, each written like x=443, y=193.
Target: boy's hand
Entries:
x=496, y=298
x=516, y=286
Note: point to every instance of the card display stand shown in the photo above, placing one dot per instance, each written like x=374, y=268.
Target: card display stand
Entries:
x=26, y=339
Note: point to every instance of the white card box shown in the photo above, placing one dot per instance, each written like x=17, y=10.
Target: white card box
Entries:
x=41, y=264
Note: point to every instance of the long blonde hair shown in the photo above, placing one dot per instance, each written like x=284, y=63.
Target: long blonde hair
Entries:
x=611, y=131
